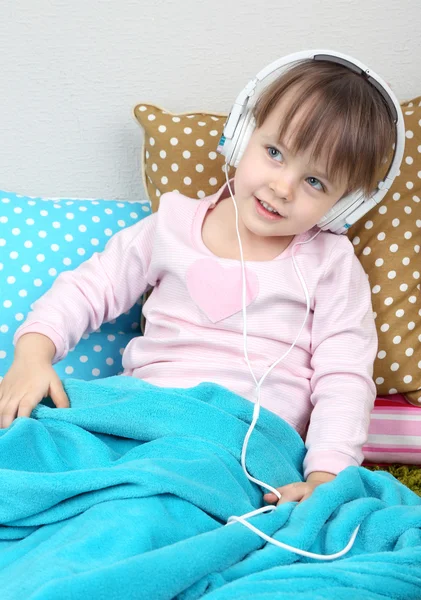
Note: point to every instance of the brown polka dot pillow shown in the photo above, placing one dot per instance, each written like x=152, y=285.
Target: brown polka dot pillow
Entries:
x=180, y=154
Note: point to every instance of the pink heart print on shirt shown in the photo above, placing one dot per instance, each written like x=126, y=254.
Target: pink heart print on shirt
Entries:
x=217, y=290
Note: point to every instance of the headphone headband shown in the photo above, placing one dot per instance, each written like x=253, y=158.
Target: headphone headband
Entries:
x=240, y=125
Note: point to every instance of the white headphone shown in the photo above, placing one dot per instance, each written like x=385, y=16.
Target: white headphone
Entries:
x=241, y=124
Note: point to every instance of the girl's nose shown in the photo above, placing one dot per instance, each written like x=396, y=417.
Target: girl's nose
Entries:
x=282, y=186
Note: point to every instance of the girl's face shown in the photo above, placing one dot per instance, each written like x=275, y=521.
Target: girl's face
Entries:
x=296, y=188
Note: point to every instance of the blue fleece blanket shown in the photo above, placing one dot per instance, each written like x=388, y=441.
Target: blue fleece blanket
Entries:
x=126, y=495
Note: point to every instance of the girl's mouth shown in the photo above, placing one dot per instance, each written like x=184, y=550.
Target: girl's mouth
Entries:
x=266, y=211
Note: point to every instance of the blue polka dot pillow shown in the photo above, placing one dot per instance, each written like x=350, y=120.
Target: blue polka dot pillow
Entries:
x=39, y=238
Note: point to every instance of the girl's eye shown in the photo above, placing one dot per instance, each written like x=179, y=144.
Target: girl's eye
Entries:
x=315, y=183
x=273, y=152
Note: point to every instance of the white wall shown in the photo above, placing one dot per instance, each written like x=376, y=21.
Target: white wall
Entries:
x=73, y=69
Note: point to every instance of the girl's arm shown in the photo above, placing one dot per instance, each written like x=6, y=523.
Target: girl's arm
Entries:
x=99, y=290
x=344, y=346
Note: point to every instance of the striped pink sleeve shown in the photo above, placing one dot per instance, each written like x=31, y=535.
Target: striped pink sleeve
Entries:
x=344, y=346
x=99, y=290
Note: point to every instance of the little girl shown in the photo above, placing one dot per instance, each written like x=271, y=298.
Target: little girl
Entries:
x=322, y=131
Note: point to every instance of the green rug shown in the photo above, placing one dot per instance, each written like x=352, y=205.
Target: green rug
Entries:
x=409, y=475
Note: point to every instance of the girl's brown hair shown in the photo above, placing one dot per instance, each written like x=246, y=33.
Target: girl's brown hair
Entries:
x=345, y=119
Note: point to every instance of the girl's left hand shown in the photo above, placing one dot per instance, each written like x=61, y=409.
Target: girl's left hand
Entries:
x=300, y=490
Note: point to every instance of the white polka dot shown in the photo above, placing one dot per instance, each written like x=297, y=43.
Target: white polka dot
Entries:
x=384, y=327
x=395, y=222
x=383, y=210
x=397, y=339
x=174, y=167
x=154, y=167
x=52, y=272
x=176, y=119
x=37, y=282
x=400, y=312
x=199, y=168
x=412, y=299
x=388, y=301
x=409, y=351
x=376, y=289
x=380, y=236
x=15, y=231
x=411, y=325
x=162, y=129
x=110, y=338
x=4, y=328
x=416, y=274
x=394, y=248
x=409, y=160
x=379, y=380
x=19, y=316
x=391, y=274
x=56, y=224
x=23, y=293
x=40, y=257
x=81, y=251
x=394, y=367
x=69, y=370
x=29, y=221
x=173, y=141
x=187, y=180
x=407, y=235
x=396, y=196
x=406, y=261
x=121, y=223
x=162, y=154
x=28, y=244
x=97, y=348
x=200, y=143
x=11, y=279
x=108, y=211
x=26, y=268
x=94, y=242
x=356, y=240
x=42, y=234
x=68, y=237
x=67, y=261
x=83, y=359
x=379, y=262
x=7, y=303
x=82, y=228
x=109, y=361
x=409, y=185
x=3, y=354
x=151, y=117
x=407, y=379
x=96, y=372
x=367, y=251
x=187, y=130
x=55, y=247
x=186, y=154
x=14, y=254
x=381, y=354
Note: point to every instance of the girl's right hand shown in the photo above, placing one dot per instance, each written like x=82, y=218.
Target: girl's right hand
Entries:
x=25, y=384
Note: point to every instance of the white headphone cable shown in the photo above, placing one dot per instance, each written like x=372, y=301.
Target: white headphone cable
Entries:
x=256, y=409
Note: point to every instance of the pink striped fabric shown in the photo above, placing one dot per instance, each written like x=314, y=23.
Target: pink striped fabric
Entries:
x=394, y=435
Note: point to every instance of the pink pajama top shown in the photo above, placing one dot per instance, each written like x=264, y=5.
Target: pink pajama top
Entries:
x=194, y=324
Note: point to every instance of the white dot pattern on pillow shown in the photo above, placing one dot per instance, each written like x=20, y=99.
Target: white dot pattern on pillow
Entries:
x=40, y=238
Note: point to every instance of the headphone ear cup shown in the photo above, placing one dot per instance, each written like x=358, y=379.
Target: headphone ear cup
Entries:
x=340, y=209
x=246, y=128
